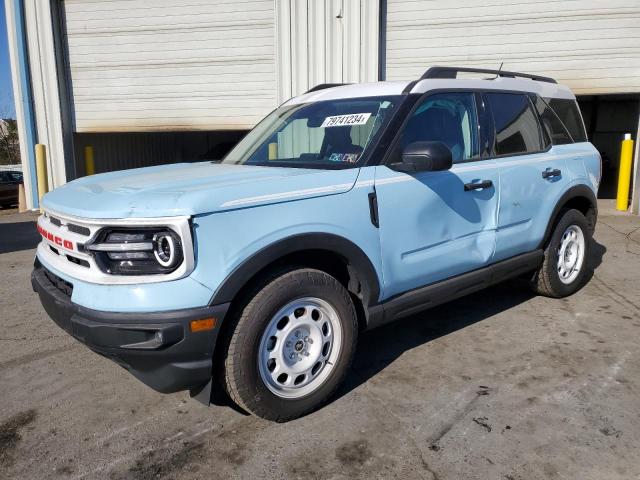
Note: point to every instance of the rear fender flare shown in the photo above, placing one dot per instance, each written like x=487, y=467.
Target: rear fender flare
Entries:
x=575, y=192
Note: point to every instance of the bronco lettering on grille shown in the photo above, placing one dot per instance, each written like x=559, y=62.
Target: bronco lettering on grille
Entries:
x=68, y=244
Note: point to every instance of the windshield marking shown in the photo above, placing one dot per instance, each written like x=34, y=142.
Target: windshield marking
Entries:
x=344, y=120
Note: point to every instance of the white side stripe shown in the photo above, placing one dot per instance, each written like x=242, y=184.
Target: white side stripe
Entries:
x=287, y=195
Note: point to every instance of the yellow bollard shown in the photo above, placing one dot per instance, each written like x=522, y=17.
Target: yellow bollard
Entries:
x=273, y=151
x=22, y=199
x=41, y=170
x=624, y=177
x=90, y=166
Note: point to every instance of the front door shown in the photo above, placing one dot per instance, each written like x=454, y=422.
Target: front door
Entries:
x=436, y=225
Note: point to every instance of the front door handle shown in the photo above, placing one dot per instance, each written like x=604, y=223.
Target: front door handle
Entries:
x=478, y=185
x=550, y=173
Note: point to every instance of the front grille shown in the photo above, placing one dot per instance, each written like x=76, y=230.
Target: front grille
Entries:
x=71, y=258
x=78, y=261
x=62, y=285
x=72, y=227
x=78, y=229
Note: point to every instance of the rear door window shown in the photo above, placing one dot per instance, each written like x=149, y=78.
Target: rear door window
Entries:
x=516, y=125
x=568, y=112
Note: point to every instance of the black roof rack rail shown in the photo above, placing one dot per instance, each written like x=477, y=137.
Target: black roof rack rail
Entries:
x=322, y=86
x=452, y=72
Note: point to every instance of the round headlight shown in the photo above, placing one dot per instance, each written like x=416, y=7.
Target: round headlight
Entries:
x=165, y=249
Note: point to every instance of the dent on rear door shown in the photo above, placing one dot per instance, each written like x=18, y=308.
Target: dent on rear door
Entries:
x=527, y=199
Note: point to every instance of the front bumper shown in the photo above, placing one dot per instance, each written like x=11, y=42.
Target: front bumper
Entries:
x=158, y=348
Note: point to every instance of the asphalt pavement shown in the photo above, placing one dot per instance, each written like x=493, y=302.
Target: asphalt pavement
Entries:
x=498, y=385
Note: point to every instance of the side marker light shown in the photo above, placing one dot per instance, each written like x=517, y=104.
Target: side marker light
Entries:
x=203, y=325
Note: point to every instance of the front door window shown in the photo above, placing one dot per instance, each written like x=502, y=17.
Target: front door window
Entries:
x=449, y=118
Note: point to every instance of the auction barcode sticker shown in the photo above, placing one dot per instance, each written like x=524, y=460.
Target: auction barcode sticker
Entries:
x=344, y=120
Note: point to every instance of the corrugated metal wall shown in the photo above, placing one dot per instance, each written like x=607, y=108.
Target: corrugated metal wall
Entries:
x=325, y=41
x=150, y=65
x=143, y=65
x=591, y=45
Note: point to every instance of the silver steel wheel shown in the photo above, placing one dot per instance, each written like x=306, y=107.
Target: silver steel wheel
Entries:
x=571, y=254
x=299, y=347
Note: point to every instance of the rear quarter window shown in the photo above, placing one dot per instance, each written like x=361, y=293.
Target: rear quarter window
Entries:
x=569, y=114
x=553, y=128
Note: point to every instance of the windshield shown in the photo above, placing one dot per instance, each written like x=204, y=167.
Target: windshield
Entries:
x=328, y=134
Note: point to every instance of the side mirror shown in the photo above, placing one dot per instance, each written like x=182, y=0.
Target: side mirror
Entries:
x=425, y=157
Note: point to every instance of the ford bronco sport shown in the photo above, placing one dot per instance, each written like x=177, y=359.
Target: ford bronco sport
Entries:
x=347, y=207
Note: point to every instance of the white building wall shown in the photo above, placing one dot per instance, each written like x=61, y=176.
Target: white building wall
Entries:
x=143, y=65
x=590, y=45
x=152, y=65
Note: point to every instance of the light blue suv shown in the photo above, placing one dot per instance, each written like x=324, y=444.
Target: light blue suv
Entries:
x=350, y=206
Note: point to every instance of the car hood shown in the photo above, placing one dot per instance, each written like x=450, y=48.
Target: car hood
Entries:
x=192, y=189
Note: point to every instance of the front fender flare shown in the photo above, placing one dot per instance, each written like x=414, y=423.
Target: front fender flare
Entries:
x=354, y=256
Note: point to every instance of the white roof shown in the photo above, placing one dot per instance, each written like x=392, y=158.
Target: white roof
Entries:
x=353, y=90
x=544, y=89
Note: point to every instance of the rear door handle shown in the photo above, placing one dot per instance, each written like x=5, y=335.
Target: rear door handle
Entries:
x=478, y=185
x=550, y=173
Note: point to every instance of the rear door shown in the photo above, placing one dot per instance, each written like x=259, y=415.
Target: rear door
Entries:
x=436, y=225
x=532, y=174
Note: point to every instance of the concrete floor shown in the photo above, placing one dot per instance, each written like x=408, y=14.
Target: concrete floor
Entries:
x=499, y=385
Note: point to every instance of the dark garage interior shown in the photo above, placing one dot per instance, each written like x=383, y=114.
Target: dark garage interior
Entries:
x=118, y=150
x=607, y=118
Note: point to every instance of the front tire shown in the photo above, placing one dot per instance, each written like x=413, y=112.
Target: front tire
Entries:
x=565, y=266
x=292, y=344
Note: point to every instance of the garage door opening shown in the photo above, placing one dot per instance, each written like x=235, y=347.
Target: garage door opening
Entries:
x=119, y=151
x=607, y=118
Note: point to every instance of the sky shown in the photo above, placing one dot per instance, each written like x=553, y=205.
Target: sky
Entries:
x=7, y=108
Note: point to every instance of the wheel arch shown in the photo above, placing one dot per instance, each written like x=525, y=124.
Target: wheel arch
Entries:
x=328, y=252
x=579, y=197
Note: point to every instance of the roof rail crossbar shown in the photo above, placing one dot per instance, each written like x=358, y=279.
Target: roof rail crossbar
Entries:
x=452, y=72
x=322, y=86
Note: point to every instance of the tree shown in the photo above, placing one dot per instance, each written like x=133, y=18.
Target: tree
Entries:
x=9, y=145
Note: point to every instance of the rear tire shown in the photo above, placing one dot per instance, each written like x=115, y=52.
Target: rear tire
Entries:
x=291, y=346
x=565, y=266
